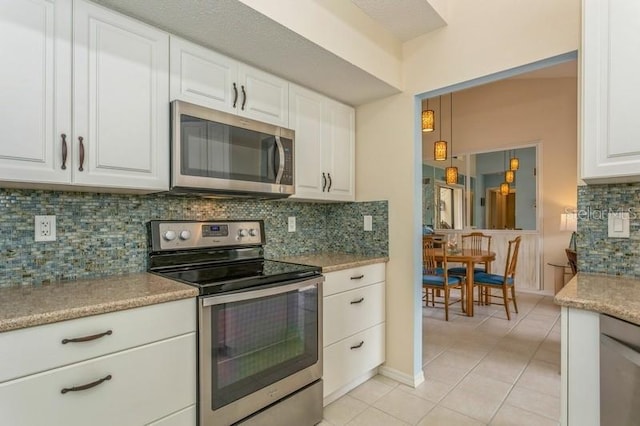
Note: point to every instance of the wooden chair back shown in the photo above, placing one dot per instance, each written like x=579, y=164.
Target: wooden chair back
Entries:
x=512, y=258
x=430, y=247
x=477, y=241
x=572, y=257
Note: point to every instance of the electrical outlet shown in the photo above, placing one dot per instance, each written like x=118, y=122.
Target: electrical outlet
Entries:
x=368, y=222
x=292, y=224
x=45, y=228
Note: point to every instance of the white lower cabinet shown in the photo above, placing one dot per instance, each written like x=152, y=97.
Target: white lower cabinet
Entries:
x=353, y=327
x=152, y=380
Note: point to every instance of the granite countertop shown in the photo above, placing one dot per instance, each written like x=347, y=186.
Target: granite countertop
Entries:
x=28, y=306
x=607, y=294
x=330, y=262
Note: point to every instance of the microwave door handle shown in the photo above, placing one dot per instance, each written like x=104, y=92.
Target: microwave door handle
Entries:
x=279, y=164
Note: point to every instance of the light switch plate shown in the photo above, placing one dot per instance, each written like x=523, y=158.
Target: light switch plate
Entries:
x=618, y=225
x=368, y=222
x=292, y=224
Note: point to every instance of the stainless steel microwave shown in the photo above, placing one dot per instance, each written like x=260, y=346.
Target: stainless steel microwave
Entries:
x=213, y=152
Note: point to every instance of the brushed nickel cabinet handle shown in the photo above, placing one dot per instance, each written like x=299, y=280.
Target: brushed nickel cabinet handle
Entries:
x=87, y=338
x=87, y=386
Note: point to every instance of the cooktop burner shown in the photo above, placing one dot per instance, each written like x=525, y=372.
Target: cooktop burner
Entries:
x=218, y=257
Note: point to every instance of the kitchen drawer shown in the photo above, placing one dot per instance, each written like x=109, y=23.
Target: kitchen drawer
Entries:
x=352, y=311
x=146, y=383
x=348, y=279
x=186, y=417
x=352, y=357
x=32, y=350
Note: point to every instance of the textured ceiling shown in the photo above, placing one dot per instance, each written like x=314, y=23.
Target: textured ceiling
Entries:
x=234, y=29
x=406, y=19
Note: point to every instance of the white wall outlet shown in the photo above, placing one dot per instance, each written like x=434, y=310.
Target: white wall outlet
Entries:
x=292, y=224
x=368, y=222
x=45, y=228
x=618, y=225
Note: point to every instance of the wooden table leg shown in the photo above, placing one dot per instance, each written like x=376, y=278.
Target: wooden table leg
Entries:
x=469, y=288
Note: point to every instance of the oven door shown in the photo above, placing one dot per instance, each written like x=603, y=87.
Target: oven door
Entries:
x=257, y=347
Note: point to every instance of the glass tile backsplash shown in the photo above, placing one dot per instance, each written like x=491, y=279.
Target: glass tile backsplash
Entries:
x=106, y=234
x=597, y=253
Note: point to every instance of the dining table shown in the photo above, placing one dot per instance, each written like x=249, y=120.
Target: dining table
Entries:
x=469, y=257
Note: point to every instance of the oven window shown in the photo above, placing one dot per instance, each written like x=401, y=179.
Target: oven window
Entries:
x=260, y=341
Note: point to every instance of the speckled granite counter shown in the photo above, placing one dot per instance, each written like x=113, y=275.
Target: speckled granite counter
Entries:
x=330, y=262
x=28, y=306
x=607, y=294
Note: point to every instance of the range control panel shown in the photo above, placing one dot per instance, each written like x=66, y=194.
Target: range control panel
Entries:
x=179, y=235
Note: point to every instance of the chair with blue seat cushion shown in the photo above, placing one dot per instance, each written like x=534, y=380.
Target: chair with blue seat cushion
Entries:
x=476, y=241
x=488, y=282
x=435, y=277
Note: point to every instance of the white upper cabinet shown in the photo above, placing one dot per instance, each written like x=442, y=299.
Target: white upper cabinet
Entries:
x=204, y=77
x=325, y=144
x=35, y=83
x=118, y=135
x=610, y=89
x=121, y=108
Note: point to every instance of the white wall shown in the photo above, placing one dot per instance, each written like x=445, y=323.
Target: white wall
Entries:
x=481, y=38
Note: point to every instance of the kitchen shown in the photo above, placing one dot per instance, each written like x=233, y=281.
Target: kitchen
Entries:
x=468, y=48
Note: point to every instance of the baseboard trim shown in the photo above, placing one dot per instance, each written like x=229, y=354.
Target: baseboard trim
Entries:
x=399, y=376
x=348, y=387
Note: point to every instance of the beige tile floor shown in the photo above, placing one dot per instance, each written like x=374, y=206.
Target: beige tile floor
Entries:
x=482, y=370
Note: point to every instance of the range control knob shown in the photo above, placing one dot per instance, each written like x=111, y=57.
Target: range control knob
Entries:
x=185, y=235
x=253, y=232
x=243, y=232
x=169, y=235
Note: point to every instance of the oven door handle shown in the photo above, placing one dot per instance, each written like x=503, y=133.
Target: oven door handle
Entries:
x=280, y=164
x=271, y=291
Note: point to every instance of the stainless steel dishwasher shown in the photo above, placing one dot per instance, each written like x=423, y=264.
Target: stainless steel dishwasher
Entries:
x=619, y=372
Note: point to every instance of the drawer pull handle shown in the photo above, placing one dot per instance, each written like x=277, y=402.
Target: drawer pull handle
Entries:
x=355, y=302
x=87, y=338
x=358, y=346
x=87, y=386
x=359, y=277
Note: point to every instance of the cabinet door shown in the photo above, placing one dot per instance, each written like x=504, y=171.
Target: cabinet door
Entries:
x=610, y=89
x=339, y=157
x=263, y=96
x=307, y=120
x=121, y=101
x=202, y=76
x=35, y=83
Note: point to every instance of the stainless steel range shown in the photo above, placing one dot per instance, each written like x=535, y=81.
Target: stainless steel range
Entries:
x=260, y=322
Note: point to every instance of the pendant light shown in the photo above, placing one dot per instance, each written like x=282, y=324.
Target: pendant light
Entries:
x=509, y=176
x=504, y=186
x=440, y=146
x=428, y=121
x=514, y=162
x=451, y=172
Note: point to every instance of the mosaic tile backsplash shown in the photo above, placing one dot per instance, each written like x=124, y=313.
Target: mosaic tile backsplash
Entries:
x=106, y=234
x=597, y=252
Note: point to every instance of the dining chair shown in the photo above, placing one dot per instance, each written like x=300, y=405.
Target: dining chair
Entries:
x=572, y=257
x=488, y=281
x=435, y=277
x=479, y=242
